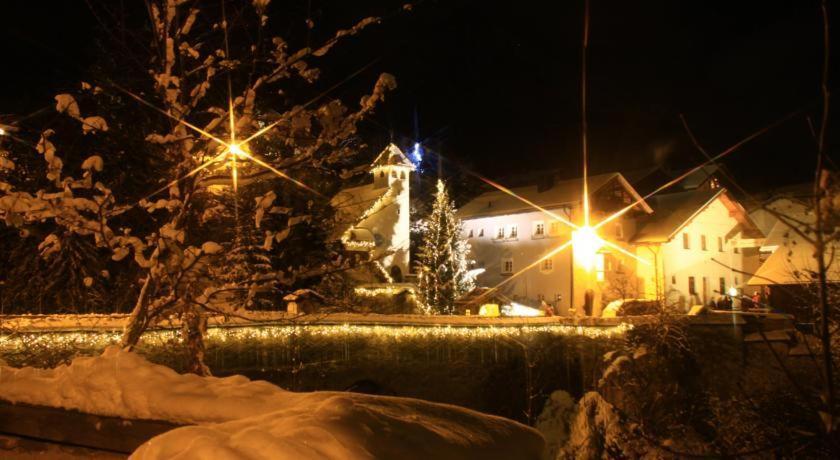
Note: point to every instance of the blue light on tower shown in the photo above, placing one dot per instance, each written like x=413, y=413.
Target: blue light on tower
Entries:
x=417, y=154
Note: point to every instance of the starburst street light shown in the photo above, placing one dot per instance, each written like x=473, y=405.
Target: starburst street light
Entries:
x=585, y=246
x=236, y=150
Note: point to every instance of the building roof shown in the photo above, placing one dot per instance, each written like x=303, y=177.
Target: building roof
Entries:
x=673, y=211
x=792, y=260
x=696, y=179
x=351, y=203
x=561, y=193
x=392, y=156
x=794, y=263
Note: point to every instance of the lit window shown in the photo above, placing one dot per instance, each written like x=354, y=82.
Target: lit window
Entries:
x=703, y=242
x=720, y=244
x=554, y=229
x=547, y=265
x=513, y=231
x=500, y=233
x=686, y=241
x=507, y=266
x=692, y=289
x=619, y=231
x=481, y=233
x=539, y=228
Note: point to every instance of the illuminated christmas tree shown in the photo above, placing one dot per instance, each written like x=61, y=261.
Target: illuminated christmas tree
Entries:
x=442, y=257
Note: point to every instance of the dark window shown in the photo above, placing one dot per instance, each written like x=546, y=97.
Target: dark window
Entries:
x=481, y=233
x=723, y=286
x=507, y=266
x=703, y=242
x=673, y=279
x=686, y=241
x=720, y=244
x=471, y=234
x=692, y=289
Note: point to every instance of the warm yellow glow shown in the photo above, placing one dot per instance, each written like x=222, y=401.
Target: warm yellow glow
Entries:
x=585, y=246
x=625, y=252
x=56, y=341
x=233, y=147
x=236, y=150
x=2, y=132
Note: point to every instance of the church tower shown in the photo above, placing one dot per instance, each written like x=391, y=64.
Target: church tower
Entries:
x=392, y=170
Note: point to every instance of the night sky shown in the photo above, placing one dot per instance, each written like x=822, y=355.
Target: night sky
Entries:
x=496, y=85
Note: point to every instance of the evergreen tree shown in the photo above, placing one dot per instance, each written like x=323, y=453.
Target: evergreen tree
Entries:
x=443, y=257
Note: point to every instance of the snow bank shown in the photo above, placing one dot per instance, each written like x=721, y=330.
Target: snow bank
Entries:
x=254, y=419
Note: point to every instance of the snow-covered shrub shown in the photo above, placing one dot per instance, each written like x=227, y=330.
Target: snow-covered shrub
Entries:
x=554, y=422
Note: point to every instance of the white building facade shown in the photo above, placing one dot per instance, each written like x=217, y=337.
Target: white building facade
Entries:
x=690, y=245
x=696, y=248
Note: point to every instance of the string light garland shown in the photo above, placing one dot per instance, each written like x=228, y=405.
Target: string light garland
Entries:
x=363, y=291
x=94, y=340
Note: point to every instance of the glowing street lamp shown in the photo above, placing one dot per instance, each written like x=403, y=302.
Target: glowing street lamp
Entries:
x=585, y=246
x=237, y=151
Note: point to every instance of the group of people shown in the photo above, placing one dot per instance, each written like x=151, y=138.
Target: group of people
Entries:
x=726, y=302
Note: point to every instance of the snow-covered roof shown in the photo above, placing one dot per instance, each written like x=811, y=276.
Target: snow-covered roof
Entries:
x=392, y=156
x=792, y=260
x=351, y=203
x=794, y=263
x=779, y=233
x=673, y=211
x=699, y=177
x=561, y=193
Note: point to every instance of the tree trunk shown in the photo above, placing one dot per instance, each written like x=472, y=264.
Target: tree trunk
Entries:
x=193, y=329
x=824, y=307
x=138, y=320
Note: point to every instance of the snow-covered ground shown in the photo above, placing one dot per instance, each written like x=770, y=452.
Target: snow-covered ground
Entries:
x=240, y=418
